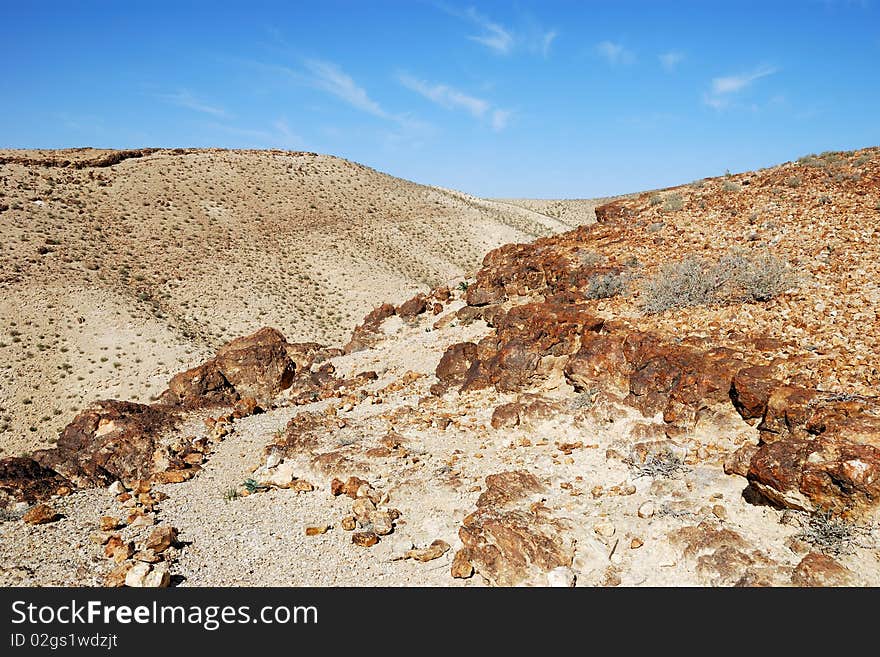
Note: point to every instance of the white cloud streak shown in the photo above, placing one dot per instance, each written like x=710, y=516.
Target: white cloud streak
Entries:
x=330, y=78
x=723, y=88
x=735, y=83
x=614, y=53
x=186, y=99
x=453, y=99
x=445, y=96
x=495, y=37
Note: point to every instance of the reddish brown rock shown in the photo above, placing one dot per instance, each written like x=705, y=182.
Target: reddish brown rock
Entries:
x=506, y=488
x=614, y=212
x=257, y=365
x=246, y=407
x=364, y=539
x=751, y=389
x=821, y=570
x=461, y=567
x=365, y=335
x=506, y=416
x=203, y=385
x=738, y=462
x=509, y=548
x=161, y=538
x=454, y=365
x=112, y=440
x=413, y=307
x=826, y=472
x=352, y=486
x=24, y=480
x=40, y=515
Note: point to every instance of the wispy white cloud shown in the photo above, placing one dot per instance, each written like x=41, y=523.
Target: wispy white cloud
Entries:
x=546, y=40
x=528, y=35
x=500, y=119
x=615, y=53
x=724, y=88
x=494, y=36
x=185, y=98
x=734, y=83
x=330, y=78
x=454, y=99
x=445, y=96
x=670, y=60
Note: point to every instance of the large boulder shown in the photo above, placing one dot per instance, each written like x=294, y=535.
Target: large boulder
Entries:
x=112, y=440
x=257, y=365
x=22, y=479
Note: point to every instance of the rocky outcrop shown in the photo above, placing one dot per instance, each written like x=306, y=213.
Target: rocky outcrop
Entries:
x=258, y=366
x=508, y=541
x=366, y=334
x=23, y=479
x=113, y=440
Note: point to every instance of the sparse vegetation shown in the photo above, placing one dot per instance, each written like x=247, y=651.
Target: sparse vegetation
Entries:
x=737, y=276
x=604, y=286
x=832, y=534
x=673, y=203
x=662, y=464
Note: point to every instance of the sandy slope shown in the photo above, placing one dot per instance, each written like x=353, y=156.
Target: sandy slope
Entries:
x=112, y=278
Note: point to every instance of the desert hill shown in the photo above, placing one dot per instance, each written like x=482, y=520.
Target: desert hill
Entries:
x=683, y=392
x=121, y=267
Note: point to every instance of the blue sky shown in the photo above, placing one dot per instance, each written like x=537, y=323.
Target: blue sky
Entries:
x=521, y=99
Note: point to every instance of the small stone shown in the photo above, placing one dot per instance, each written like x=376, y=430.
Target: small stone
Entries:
x=63, y=491
x=100, y=537
x=137, y=574
x=369, y=492
x=719, y=511
x=336, y=487
x=111, y=544
x=123, y=497
x=142, y=486
x=108, y=523
x=364, y=539
x=116, y=577
x=434, y=551
x=605, y=529
x=41, y=514
x=140, y=520
x=462, y=568
x=362, y=508
x=596, y=492
x=636, y=543
x=122, y=552
x=646, y=510
x=352, y=486
x=317, y=530
x=348, y=523
x=628, y=489
x=301, y=486
x=162, y=538
x=147, y=556
x=159, y=576
x=381, y=522
x=116, y=488
x=561, y=577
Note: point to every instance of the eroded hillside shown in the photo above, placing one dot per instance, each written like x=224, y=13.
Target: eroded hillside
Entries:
x=121, y=267
x=683, y=393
